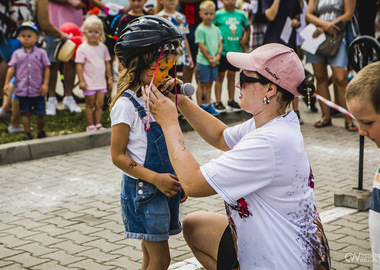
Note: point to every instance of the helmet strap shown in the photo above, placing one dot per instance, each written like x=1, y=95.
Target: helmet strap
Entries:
x=150, y=86
x=175, y=82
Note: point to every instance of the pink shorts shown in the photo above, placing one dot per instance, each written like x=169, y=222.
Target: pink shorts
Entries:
x=93, y=92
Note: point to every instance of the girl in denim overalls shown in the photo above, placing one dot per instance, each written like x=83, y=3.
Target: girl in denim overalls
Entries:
x=150, y=191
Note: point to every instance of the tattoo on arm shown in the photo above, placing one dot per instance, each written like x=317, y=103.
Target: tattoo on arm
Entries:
x=132, y=164
x=182, y=145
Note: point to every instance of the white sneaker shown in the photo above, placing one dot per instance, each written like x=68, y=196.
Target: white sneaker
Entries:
x=70, y=104
x=51, y=108
x=14, y=130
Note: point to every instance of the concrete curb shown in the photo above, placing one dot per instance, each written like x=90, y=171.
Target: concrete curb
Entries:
x=60, y=145
x=52, y=146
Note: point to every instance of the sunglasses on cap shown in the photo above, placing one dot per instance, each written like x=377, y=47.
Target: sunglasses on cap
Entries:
x=245, y=79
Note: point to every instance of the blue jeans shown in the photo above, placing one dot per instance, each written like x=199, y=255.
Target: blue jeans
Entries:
x=148, y=213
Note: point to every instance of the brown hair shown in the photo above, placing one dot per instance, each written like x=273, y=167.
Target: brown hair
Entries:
x=130, y=76
x=366, y=86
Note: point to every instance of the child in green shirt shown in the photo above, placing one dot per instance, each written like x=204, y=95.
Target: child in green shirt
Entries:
x=231, y=23
x=209, y=40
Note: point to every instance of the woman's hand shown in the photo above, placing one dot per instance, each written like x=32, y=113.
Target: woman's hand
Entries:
x=168, y=84
x=167, y=88
x=63, y=36
x=330, y=28
x=318, y=31
x=162, y=108
x=296, y=23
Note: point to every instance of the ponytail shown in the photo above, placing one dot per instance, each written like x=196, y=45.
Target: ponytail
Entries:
x=307, y=89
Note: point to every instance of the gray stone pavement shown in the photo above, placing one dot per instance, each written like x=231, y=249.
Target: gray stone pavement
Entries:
x=62, y=212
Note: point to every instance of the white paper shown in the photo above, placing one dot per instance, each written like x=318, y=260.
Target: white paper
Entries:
x=311, y=44
x=287, y=30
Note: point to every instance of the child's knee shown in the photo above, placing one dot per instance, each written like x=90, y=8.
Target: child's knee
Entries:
x=99, y=105
x=231, y=75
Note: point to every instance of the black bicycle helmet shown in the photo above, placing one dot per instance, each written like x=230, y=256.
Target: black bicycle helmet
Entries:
x=143, y=34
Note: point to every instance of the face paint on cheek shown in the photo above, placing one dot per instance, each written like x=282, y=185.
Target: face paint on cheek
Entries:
x=161, y=75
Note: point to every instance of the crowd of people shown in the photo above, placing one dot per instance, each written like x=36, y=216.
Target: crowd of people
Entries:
x=210, y=29
x=158, y=47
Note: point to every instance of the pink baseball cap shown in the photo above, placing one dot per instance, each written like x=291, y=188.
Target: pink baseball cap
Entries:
x=276, y=62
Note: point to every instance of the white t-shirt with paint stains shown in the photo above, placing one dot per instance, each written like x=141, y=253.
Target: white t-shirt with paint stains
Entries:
x=267, y=185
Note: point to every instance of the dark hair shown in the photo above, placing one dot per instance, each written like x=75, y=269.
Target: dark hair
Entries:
x=286, y=95
x=305, y=88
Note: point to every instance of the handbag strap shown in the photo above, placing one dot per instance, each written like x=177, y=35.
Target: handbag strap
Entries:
x=355, y=25
x=316, y=7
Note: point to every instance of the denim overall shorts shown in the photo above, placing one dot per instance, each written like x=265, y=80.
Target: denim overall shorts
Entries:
x=148, y=213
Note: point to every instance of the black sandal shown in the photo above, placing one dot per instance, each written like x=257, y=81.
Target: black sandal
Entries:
x=322, y=124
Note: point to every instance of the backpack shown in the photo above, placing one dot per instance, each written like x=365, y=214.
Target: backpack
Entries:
x=111, y=25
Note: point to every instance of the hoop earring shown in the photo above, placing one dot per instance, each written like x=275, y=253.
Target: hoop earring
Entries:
x=266, y=100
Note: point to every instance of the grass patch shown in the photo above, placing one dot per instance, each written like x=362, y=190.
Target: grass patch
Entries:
x=62, y=123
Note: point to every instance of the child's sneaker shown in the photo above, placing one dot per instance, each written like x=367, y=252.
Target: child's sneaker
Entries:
x=90, y=128
x=41, y=135
x=14, y=130
x=233, y=106
x=208, y=108
x=51, y=107
x=99, y=127
x=27, y=137
x=219, y=107
x=70, y=104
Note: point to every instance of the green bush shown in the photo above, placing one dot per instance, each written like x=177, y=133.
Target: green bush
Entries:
x=62, y=123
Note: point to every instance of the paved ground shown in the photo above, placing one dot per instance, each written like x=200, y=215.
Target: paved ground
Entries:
x=63, y=212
